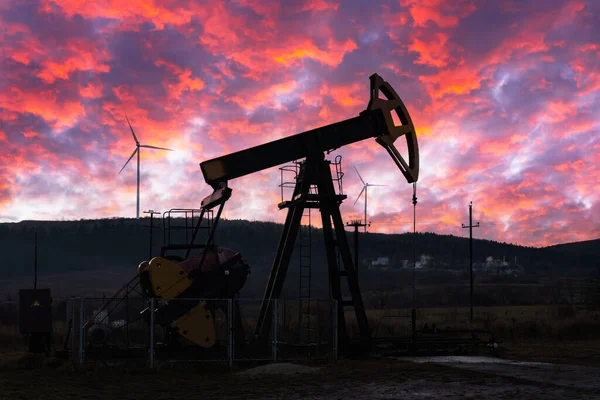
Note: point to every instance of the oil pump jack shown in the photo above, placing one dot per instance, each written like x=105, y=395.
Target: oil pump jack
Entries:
x=219, y=273
x=375, y=122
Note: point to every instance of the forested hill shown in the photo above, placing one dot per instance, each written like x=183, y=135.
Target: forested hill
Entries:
x=117, y=244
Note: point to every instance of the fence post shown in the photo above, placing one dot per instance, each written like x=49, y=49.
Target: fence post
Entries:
x=275, y=328
x=72, y=337
x=151, y=355
x=81, y=332
x=335, y=330
x=230, y=320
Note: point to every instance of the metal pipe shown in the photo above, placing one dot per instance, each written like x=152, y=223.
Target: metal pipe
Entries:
x=366, y=199
x=35, y=262
x=275, y=328
x=127, y=314
x=81, y=332
x=335, y=329
x=211, y=236
x=356, y=249
x=193, y=239
x=72, y=325
x=151, y=228
x=230, y=320
x=151, y=333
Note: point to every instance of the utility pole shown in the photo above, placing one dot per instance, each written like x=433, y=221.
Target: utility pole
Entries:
x=471, y=226
x=356, y=223
x=151, y=212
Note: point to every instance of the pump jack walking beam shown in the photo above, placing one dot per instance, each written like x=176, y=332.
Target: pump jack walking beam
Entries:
x=375, y=122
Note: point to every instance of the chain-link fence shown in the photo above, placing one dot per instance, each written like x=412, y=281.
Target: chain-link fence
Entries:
x=156, y=331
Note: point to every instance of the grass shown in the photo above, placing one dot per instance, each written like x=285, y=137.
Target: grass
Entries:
x=531, y=333
x=576, y=352
x=506, y=323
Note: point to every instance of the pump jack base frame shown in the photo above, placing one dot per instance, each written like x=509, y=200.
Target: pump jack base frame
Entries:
x=315, y=172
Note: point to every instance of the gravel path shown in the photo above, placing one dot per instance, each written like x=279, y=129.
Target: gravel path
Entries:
x=279, y=369
x=492, y=378
x=380, y=379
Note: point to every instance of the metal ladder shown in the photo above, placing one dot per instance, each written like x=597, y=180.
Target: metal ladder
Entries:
x=305, y=323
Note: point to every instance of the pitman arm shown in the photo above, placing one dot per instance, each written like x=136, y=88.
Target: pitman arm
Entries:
x=376, y=121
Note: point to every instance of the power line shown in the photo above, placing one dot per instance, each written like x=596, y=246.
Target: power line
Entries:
x=404, y=223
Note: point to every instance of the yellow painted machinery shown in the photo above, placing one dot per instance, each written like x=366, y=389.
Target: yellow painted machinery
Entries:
x=217, y=273
x=186, y=294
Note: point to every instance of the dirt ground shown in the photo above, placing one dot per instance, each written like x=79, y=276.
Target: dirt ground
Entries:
x=577, y=377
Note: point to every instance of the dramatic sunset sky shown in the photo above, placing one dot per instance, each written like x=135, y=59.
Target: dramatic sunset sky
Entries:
x=503, y=94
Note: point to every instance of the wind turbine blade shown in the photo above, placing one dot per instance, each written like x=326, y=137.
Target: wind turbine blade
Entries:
x=154, y=147
x=361, y=179
x=368, y=184
x=133, y=154
x=358, y=197
x=133, y=133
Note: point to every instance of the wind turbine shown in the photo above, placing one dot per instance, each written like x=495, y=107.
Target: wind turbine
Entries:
x=364, y=189
x=138, y=146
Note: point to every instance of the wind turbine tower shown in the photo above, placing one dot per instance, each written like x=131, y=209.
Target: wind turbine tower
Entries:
x=364, y=189
x=137, y=150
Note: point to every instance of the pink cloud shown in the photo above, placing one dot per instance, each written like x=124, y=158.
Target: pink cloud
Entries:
x=502, y=98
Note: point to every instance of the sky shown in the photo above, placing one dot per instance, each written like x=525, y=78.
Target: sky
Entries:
x=503, y=96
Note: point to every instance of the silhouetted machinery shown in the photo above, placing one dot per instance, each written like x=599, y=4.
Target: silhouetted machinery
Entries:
x=376, y=122
x=218, y=272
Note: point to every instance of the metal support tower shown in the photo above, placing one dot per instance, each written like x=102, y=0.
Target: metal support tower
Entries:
x=315, y=170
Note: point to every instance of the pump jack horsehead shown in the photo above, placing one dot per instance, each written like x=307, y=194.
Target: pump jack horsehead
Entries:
x=223, y=277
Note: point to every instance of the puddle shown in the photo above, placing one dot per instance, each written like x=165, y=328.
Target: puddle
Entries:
x=561, y=375
x=468, y=360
